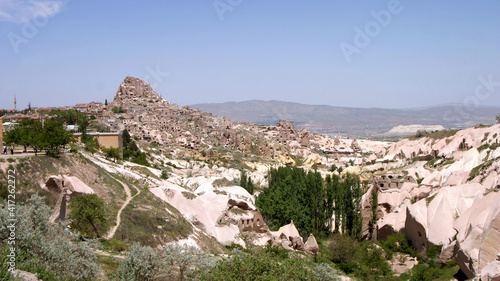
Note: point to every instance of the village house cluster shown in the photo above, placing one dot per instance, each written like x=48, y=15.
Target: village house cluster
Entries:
x=184, y=130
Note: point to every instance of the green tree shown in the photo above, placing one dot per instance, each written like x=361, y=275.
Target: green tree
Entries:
x=250, y=186
x=118, y=110
x=286, y=199
x=32, y=134
x=317, y=201
x=88, y=214
x=13, y=136
x=243, y=180
x=351, y=205
x=54, y=136
x=246, y=182
x=498, y=118
x=112, y=153
x=92, y=145
x=131, y=151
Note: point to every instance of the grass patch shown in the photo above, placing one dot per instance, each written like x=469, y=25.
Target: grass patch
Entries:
x=428, y=200
x=115, y=245
x=299, y=161
x=238, y=211
x=483, y=147
x=479, y=169
x=144, y=171
x=436, y=135
x=222, y=183
x=220, y=192
x=189, y=195
x=108, y=265
x=149, y=223
x=431, y=162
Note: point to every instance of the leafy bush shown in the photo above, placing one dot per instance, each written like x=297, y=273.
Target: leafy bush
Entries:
x=47, y=249
x=222, y=182
x=112, y=153
x=172, y=263
x=324, y=271
x=115, y=245
x=397, y=243
x=259, y=266
x=132, y=152
x=365, y=260
x=333, y=168
x=344, y=249
x=142, y=263
x=87, y=214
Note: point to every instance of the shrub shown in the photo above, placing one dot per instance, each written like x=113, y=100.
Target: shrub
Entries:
x=222, y=183
x=259, y=266
x=397, y=243
x=164, y=174
x=88, y=214
x=112, y=153
x=115, y=245
x=344, y=248
x=172, y=263
x=46, y=249
x=142, y=263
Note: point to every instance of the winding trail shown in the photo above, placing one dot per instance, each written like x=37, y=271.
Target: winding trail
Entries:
x=112, y=231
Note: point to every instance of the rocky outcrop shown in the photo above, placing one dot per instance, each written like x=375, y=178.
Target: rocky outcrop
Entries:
x=432, y=224
x=136, y=91
x=65, y=187
x=288, y=236
x=491, y=272
x=447, y=147
x=311, y=246
x=479, y=235
x=240, y=203
x=402, y=263
x=416, y=224
x=391, y=223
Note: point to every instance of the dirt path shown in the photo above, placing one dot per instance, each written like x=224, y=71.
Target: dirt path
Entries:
x=102, y=253
x=112, y=231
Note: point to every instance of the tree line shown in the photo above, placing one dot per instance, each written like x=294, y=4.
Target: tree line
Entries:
x=315, y=204
x=49, y=136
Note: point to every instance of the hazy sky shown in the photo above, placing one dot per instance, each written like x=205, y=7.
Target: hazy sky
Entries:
x=393, y=54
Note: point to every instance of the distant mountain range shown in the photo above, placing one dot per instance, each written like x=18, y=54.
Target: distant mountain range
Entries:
x=356, y=122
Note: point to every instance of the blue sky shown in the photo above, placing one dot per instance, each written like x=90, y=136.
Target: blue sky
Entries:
x=55, y=53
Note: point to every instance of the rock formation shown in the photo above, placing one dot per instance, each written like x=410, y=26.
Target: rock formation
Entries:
x=65, y=187
x=479, y=235
x=311, y=245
